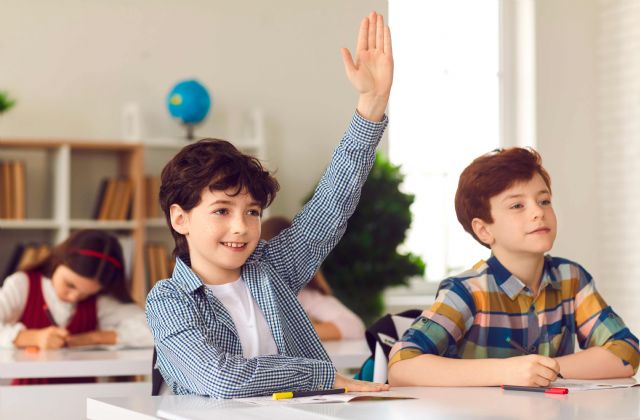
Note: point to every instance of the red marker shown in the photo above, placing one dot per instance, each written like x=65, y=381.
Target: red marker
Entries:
x=535, y=389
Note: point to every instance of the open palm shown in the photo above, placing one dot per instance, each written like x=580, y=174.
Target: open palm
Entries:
x=372, y=71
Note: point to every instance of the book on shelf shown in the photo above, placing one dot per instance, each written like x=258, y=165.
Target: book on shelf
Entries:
x=12, y=189
x=102, y=189
x=106, y=199
x=24, y=255
x=18, y=179
x=5, y=204
x=114, y=199
x=151, y=194
x=157, y=260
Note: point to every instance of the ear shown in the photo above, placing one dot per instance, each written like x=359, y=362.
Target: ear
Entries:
x=179, y=219
x=482, y=231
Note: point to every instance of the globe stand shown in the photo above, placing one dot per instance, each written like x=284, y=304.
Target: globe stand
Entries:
x=190, y=128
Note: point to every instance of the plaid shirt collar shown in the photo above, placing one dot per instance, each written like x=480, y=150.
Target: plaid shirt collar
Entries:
x=512, y=285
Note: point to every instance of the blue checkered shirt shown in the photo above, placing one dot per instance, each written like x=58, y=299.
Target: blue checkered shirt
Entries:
x=199, y=351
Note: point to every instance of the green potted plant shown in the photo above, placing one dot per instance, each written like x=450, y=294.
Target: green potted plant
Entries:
x=5, y=102
x=366, y=260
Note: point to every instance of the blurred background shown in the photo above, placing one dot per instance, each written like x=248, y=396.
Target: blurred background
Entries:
x=562, y=76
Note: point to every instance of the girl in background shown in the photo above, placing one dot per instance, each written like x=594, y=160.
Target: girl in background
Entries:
x=76, y=296
x=330, y=318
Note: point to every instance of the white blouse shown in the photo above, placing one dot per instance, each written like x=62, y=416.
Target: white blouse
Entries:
x=326, y=308
x=126, y=319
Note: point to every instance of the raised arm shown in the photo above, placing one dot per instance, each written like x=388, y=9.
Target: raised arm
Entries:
x=371, y=74
x=297, y=252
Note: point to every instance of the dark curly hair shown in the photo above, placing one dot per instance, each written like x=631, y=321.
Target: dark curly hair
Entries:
x=217, y=165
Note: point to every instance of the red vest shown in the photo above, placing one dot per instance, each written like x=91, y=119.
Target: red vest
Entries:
x=34, y=316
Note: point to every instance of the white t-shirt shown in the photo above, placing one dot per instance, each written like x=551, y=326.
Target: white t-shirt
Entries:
x=253, y=330
x=126, y=319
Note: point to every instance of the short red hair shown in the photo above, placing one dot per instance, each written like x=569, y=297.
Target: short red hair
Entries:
x=488, y=176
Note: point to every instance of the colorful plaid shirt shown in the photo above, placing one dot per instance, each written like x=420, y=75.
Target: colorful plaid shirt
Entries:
x=477, y=313
x=199, y=351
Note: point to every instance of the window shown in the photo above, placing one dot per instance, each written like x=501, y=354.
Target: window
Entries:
x=445, y=111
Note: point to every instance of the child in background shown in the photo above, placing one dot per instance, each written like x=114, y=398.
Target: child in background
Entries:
x=227, y=324
x=76, y=296
x=330, y=318
x=514, y=318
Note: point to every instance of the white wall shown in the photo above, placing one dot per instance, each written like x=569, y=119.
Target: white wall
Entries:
x=588, y=81
x=566, y=84
x=72, y=64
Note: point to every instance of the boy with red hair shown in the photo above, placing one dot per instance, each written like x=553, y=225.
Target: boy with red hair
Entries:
x=514, y=318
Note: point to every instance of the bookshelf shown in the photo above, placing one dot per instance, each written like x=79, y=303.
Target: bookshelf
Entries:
x=63, y=180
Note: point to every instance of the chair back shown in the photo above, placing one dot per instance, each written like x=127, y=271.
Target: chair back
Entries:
x=381, y=336
x=156, y=377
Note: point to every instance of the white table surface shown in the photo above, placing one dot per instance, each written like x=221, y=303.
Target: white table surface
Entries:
x=72, y=363
x=67, y=401
x=431, y=403
x=347, y=354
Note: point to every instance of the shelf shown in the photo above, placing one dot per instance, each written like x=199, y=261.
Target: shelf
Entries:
x=102, y=224
x=65, y=178
x=29, y=224
x=156, y=223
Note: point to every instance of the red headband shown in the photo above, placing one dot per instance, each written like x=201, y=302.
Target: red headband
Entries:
x=92, y=253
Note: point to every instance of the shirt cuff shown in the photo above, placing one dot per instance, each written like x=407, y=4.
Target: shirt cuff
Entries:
x=367, y=131
x=323, y=375
x=8, y=334
x=625, y=351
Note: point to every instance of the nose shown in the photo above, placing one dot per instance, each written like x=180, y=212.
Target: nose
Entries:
x=239, y=225
x=73, y=296
x=537, y=211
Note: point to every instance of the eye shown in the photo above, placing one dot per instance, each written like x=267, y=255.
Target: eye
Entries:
x=545, y=202
x=516, y=206
x=70, y=285
x=221, y=212
x=254, y=212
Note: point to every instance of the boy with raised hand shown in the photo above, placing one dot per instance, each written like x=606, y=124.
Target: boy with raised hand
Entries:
x=227, y=324
x=514, y=318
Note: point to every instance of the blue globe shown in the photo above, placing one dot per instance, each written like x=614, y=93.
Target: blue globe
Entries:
x=189, y=102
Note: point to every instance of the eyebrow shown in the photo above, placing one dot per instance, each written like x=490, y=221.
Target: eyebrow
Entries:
x=229, y=202
x=509, y=197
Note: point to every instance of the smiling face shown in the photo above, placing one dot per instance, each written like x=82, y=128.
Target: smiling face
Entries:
x=71, y=287
x=523, y=220
x=221, y=231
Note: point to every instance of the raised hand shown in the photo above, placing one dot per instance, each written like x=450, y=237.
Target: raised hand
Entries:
x=372, y=71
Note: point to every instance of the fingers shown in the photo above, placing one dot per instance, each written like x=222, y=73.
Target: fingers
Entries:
x=349, y=65
x=387, y=41
x=380, y=32
x=551, y=364
x=372, y=30
x=363, y=43
x=546, y=371
x=365, y=386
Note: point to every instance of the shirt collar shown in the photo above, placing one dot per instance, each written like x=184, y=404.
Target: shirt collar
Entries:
x=512, y=285
x=184, y=276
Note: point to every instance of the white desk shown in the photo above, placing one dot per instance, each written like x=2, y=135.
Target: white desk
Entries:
x=67, y=401
x=347, y=354
x=432, y=403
